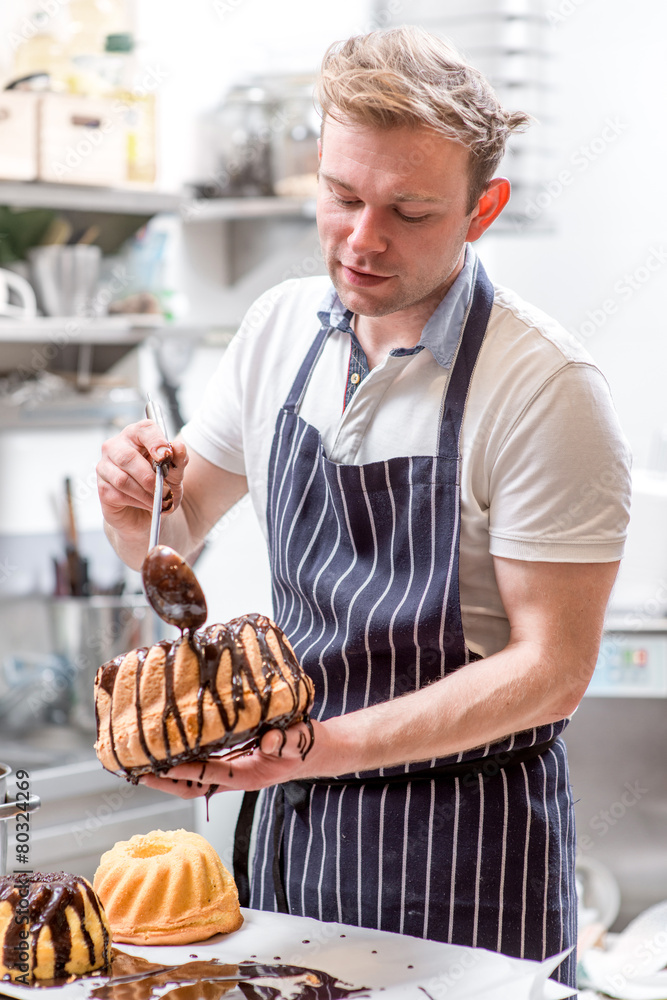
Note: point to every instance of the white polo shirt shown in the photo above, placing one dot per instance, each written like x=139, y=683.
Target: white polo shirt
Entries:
x=546, y=469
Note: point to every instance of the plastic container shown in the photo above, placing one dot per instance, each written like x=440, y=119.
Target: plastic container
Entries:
x=65, y=278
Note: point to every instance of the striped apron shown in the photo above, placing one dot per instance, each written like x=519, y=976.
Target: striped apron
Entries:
x=365, y=584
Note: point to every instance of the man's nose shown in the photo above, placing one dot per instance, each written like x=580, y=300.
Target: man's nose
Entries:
x=367, y=236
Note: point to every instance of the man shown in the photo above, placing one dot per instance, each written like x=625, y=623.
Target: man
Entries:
x=408, y=435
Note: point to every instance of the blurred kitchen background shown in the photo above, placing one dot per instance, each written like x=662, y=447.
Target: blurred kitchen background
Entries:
x=157, y=170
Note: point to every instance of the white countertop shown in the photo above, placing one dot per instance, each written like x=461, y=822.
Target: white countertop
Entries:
x=389, y=966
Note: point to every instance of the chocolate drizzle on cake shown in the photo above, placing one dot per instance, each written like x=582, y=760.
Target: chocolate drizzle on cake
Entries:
x=222, y=657
x=49, y=895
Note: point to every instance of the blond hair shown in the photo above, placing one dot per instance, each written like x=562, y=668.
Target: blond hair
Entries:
x=407, y=76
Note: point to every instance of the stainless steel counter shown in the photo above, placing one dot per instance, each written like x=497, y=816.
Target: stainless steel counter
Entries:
x=84, y=810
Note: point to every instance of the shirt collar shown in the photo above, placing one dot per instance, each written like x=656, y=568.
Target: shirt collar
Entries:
x=443, y=329
x=332, y=312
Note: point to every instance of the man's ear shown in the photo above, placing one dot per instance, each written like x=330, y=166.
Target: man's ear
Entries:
x=488, y=208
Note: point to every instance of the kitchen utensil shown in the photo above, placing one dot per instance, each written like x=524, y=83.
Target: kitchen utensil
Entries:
x=8, y=809
x=598, y=893
x=88, y=236
x=77, y=566
x=239, y=133
x=170, y=585
x=154, y=413
x=65, y=278
x=58, y=233
x=12, y=284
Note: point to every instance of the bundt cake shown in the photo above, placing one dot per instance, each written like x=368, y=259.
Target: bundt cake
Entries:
x=51, y=926
x=208, y=690
x=166, y=888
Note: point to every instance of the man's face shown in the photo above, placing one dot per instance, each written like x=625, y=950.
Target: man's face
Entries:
x=392, y=216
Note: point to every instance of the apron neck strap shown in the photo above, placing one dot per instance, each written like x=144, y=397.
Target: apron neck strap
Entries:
x=300, y=384
x=470, y=343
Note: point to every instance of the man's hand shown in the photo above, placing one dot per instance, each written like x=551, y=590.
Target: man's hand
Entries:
x=279, y=758
x=126, y=478
x=195, y=490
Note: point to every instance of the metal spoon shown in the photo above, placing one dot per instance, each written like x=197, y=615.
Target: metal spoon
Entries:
x=170, y=585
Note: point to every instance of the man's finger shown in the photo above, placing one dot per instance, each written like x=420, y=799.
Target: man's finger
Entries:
x=272, y=743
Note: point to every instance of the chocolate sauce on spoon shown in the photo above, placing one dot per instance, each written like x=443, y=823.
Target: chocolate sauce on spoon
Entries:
x=172, y=589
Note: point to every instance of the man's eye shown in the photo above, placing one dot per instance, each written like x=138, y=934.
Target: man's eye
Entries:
x=411, y=218
x=343, y=201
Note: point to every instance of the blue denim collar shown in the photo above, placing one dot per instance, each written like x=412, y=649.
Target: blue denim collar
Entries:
x=442, y=330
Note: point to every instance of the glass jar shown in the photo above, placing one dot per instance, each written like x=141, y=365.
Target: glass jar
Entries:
x=242, y=144
x=294, y=139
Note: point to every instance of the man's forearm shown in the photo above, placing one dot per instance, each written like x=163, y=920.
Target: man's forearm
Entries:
x=480, y=703
x=132, y=546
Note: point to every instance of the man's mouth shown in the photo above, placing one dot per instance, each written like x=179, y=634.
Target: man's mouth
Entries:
x=363, y=279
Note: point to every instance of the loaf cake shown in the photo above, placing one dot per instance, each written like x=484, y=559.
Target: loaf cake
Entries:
x=206, y=691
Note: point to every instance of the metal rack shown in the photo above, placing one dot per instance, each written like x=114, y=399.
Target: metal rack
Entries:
x=509, y=41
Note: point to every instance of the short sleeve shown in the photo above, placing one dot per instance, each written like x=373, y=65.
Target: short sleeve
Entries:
x=560, y=484
x=218, y=428
x=215, y=430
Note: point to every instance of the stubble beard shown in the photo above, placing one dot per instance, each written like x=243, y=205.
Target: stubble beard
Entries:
x=402, y=298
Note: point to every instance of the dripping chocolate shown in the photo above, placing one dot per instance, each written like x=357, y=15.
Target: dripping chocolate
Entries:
x=280, y=691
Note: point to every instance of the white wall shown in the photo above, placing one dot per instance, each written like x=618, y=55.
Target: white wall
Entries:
x=610, y=217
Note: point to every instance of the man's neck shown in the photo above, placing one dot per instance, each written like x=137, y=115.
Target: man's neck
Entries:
x=378, y=335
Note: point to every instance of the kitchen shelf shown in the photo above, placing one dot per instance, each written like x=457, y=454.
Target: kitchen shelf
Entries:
x=234, y=209
x=633, y=625
x=83, y=345
x=87, y=198
x=98, y=407
x=145, y=201
x=254, y=235
x=118, y=212
x=127, y=329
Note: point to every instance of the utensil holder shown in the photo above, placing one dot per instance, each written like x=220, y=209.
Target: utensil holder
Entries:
x=65, y=278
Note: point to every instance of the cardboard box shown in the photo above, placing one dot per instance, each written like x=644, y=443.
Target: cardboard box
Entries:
x=82, y=140
x=18, y=135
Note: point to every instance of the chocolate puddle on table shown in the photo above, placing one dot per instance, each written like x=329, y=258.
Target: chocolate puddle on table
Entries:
x=135, y=978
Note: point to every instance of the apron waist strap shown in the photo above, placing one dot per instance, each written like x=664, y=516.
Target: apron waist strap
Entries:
x=297, y=794
x=488, y=766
